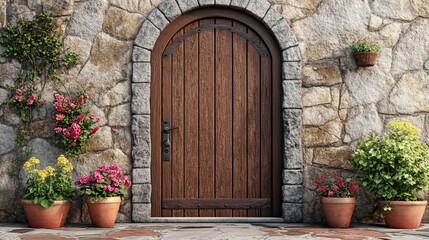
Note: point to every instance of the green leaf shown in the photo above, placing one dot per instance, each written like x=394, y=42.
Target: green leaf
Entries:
x=46, y=203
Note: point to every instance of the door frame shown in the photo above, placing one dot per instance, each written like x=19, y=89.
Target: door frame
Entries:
x=281, y=39
x=156, y=89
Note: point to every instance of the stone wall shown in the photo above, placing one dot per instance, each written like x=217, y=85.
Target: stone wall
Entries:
x=341, y=102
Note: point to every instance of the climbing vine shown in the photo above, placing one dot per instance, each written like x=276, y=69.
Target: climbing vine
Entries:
x=36, y=45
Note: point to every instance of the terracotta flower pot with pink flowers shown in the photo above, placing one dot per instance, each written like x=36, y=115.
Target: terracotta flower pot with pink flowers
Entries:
x=103, y=190
x=336, y=196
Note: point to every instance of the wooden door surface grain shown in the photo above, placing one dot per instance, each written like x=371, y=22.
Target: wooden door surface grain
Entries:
x=216, y=82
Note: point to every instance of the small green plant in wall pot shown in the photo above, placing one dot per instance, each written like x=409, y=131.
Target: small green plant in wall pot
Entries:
x=394, y=168
x=365, y=52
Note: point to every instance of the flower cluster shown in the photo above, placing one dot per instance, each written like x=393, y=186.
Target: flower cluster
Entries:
x=336, y=187
x=25, y=102
x=73, y=124
x=44, y=186
x=365, y=45
x=106, y=181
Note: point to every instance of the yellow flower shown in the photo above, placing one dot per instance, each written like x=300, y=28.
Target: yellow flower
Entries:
x=32, y=162
x=64, y=164
x=50, y=171
x=41, y=174
x=404, y=126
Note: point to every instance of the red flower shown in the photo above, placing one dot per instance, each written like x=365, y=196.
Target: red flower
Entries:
x=95, y=130
x=80, y=118
x=41, y=101
x=19, y=98
x=81, y=100
x=330, y=193
x=59, y=117
x=30, y=101
x=18, y=91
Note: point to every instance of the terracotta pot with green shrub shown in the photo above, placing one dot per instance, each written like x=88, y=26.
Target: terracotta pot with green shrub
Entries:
x=395, y=168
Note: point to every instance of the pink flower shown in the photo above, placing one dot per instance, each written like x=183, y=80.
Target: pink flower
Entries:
x=73, y=131
x=19, y=91
x=95, y=130
x=59, y=117
x=80, y=118
x=86, y=95
x=334, y=188
x=33, y=96
x=320, y=189
x=81, y=100
x=59, y=98
x=41, y=101
x=58, y=130
x=330, y=193
x=19, y=98
x=30, y=101
x=73, y=144
x=58, y=107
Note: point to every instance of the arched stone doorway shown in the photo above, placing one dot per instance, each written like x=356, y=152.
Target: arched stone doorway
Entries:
x=290, y=182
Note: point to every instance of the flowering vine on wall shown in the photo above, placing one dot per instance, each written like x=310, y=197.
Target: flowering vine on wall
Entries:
x=74, y=125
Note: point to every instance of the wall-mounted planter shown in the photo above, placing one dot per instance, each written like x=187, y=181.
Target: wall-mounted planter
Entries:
x=365, y=59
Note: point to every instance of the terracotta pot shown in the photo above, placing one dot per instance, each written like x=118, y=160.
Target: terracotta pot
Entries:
x=104, y=211
x=52, y=217
x=404, y=214
x=338, y=211
x=365, y=59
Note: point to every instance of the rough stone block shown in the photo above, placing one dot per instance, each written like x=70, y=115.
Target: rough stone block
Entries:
x=140, y=102
x=292, y=177
x=141, y=72
x=291, y=70
x=141, y=155
x=141, y=193
x=292, y=54
x=7, y=144
x=141, y=175
x=291, y=94
x=292, y=193
x=187, y=5
x=239, y=3
x=223, y=2
x=147, y=35
x=284, y=34
x=272, y=17
x=170, y=9
x=158, y=19
x=141, y=212
x=258, y=7
x=206, y=2
x=292, y=212
x=292, y=138
x=140, y=129
x=141, y=54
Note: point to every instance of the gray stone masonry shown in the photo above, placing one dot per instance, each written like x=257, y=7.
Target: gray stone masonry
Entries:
x=158, y=19
x=147, y=35
x=291, y=94
x=170, y=9
x=258, y=7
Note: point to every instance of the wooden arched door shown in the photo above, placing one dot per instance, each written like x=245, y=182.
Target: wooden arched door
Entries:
x=216, y=118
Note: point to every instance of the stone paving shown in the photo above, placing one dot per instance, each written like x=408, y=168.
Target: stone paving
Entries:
x=219, y=231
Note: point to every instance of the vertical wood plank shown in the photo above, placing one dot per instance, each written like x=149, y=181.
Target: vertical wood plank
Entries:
x=191, y=118
x=253, y=125
x=223, y=116
x=239, y=118
x=206, y=116
x=166, y=116
x=177, y=136
x=155, y=125
x=266, y=134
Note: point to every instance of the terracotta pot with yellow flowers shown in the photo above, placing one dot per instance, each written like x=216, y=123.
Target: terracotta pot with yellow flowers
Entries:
x=48, y=193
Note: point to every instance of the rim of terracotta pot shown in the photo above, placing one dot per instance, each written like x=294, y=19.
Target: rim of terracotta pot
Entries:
x=106, y=200
x=357, y=53
x=338, y=200
x=407, y=203
x=56, y=202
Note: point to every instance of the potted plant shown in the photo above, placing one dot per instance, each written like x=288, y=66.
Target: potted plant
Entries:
x=48, y=192
x=394, y=168
x=103, y=191
x=365, y=52
x=336, y=196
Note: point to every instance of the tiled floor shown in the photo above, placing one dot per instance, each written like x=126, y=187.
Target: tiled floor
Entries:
x=209, y=231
